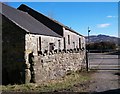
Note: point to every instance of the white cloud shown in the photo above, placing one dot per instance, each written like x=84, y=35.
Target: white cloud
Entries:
x=103, y=25
x=109, y=16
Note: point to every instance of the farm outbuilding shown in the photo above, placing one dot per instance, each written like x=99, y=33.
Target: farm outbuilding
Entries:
x=71, y=38
x=26, y=32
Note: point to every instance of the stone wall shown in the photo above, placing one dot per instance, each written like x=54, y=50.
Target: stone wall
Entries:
x=13, y=47
x=32, y=43
x=75, y=40
x=51, y=65
x=57, y=65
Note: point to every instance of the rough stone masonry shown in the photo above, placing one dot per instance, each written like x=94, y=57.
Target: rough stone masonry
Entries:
x=55, y=66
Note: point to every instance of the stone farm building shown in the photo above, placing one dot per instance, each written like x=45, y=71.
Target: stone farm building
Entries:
x=28, y=34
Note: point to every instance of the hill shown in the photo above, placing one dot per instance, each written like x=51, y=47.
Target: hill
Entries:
x=102, y=38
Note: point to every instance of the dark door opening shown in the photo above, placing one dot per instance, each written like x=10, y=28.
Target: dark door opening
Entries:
x=51, y=46
x=64, y=44
x=59, y=45
x=79, y=43
x=40, y=43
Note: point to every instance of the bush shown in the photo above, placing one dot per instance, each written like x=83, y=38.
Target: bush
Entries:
x=101, y=46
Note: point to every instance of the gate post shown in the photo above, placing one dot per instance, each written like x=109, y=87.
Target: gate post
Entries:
x=87, y=65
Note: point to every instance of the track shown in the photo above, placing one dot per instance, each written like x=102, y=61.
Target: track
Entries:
x=107, y=77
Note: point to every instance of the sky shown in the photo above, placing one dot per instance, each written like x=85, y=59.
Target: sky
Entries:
x=100, y=17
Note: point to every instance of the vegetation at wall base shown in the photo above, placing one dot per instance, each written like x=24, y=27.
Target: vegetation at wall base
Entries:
x=63, y=84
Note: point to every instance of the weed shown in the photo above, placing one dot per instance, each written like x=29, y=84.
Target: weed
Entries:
x=53, y=85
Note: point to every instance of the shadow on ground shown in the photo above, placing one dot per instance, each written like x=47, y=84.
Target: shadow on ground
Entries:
x=115, y=91
x=115, y=53
x=118, y=74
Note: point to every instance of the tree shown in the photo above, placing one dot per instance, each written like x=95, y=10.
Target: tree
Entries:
x=101, y=46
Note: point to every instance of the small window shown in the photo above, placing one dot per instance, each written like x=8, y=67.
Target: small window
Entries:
x=51, y=46
x=40, y=43
x=79, y=43
x=64, y=43
x=68, y=39
x=59, y=44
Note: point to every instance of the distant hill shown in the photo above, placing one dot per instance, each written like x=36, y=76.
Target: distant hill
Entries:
x=102, y=38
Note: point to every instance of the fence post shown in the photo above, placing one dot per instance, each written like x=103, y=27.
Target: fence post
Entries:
x=87, y=68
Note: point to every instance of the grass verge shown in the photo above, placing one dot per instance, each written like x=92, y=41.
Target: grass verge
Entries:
x=53, y=85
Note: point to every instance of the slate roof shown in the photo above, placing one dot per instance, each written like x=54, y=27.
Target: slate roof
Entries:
x=26, y=22
x=66, y=27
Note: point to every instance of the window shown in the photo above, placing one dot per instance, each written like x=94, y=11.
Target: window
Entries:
x=69, y=39
x=59, y=44
x=79, y=43
x=51, y=46
x=40, y=43
x=64, y=44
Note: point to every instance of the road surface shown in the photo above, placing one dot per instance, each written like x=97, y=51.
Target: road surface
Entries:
x=107, y=77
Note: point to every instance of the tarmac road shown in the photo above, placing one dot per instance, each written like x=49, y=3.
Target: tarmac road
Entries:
x=104, y=62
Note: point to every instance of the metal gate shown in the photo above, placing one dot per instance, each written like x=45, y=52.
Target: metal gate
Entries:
x=104, y=61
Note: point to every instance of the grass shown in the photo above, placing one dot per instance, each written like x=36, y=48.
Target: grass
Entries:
x=53, y=85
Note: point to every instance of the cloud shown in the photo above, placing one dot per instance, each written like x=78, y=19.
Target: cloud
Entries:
x=103, y=25
x=109, y=16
